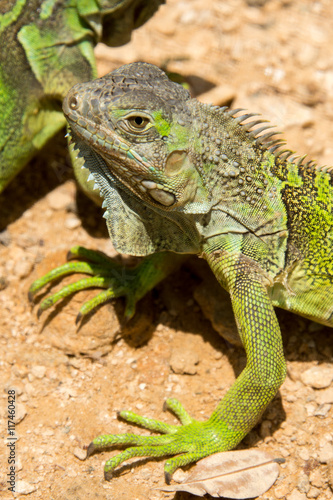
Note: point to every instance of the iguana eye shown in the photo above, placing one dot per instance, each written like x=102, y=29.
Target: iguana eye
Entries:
x=138, y=122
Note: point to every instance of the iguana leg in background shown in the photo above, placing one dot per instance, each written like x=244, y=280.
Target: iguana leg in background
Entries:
x=180, y=176
x=45, y=49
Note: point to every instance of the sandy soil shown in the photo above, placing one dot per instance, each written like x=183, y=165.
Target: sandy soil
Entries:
x=273, y=57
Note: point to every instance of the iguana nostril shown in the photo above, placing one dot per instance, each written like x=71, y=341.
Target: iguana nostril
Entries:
x=73, y=103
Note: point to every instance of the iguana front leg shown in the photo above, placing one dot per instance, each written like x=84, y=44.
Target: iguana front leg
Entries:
x=117, y=279
x=242, y=406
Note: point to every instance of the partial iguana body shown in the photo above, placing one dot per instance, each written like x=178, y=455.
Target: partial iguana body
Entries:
x=180, y=176
x=46, y=47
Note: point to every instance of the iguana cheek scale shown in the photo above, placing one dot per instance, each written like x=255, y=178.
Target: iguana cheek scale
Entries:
x=179, y=177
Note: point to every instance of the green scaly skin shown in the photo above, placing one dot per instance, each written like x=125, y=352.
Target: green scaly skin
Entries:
x=46, y=47
x=184, y=177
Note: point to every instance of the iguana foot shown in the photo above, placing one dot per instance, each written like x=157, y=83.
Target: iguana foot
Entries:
x=105, y=273
x=191, y=441
x=117, y=279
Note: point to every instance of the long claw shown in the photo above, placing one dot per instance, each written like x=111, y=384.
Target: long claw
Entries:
x=93, y=282
x=108, y=475
x=91, y=449
x=167, y=477
x=78, y=318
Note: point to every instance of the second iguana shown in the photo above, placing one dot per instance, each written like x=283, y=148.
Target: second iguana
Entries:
x=180, y=177
x=46, y=47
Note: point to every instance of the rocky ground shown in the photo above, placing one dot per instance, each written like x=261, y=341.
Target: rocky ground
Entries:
x=272, y=57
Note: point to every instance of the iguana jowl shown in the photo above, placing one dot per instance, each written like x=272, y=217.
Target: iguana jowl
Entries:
x=177, y=175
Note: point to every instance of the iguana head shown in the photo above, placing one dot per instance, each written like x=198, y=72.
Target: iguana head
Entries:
x=141, y=126
x=135, y=130
x=171, y=170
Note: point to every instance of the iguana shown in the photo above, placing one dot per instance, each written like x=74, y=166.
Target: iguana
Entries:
x=46, y=47
x=181, y=177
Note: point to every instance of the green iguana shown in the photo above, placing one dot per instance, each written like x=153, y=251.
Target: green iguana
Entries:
x=46, y=47
x=180, y=177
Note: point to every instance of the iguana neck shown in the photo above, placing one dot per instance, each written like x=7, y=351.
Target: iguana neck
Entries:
x=238, y=170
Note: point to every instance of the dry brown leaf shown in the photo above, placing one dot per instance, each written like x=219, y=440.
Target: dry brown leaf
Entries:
x=236, y=474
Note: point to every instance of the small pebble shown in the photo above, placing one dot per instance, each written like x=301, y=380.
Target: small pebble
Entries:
x=184, y=362
x=23, y=268
x=24, y=488
x=316, y=478
x=80, y=453
x=325, y=396
x=322, y=411
x=326, y=453
x=313, y=492
x=296, y=495
x=318, y=377
x=58, y=200
x=304, y=454
x=281, y=490
x=303, y=483
x=38, y=371
x=72, y=222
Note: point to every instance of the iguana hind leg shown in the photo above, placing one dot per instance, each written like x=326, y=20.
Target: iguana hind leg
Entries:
x=243, y=404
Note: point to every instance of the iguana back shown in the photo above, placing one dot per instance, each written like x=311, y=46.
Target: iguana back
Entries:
x=307, y=195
